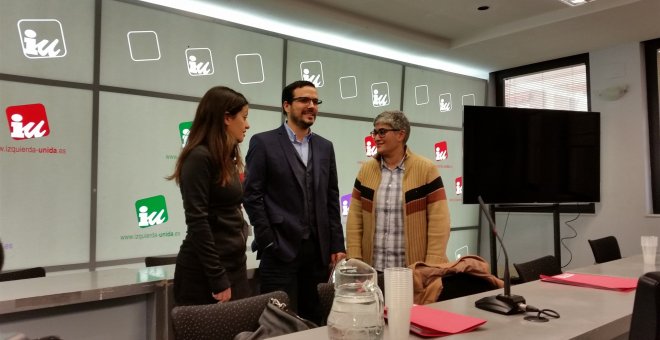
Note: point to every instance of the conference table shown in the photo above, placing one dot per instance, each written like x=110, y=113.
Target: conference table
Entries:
x=585, y=313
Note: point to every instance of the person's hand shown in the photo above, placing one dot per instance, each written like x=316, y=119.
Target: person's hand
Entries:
x=336, y=257
x=223, y=296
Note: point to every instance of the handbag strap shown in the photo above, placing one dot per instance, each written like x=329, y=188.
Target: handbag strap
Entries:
x=282, y=306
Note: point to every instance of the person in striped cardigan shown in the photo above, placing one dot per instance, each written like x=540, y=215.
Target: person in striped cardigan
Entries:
x=398, y=213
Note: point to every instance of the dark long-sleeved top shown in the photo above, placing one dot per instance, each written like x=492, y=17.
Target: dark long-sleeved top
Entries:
x=216, y=235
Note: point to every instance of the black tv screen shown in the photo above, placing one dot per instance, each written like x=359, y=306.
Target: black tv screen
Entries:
x=515, y=155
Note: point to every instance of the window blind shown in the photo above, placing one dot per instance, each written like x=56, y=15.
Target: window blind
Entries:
x=562, y=88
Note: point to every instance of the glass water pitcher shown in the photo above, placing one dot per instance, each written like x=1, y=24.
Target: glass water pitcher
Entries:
x=357, y=309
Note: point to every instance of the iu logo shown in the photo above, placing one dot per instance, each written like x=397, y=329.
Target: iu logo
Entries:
x=41, y=38
x=312, y=71
x=345, y=203
x=27, y=121
x=199, y=61
x=445, y=102
x=370, y=146
x=440, y=149
x=151, y=211
x=380, y=94
x=184, y=132
x=459, y=185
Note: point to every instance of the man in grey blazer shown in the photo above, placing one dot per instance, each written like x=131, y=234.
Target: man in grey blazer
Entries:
x=292, y=198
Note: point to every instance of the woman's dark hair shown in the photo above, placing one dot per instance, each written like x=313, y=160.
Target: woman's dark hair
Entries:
x=208, y=128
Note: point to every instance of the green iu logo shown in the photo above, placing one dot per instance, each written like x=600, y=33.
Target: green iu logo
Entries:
x=184, y=132
x=151, y=211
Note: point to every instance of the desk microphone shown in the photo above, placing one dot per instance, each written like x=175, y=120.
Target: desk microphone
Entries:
x=506, y=303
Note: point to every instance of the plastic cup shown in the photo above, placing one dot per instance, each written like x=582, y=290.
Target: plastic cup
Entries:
x=649, y=247
x=399, y=301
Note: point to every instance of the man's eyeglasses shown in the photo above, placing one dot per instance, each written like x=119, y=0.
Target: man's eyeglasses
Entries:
x=307, y=100
x=381, y=132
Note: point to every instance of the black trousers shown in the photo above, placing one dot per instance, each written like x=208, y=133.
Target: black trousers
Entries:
x=297, y=278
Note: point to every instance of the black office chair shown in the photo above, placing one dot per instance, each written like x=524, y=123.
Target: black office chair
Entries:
x=645, y=323
x=605, y=249
x=531, y=271
x=221, y=321
x=326, y=297
x=463, y=284
x=21, y=274
x=153, y=261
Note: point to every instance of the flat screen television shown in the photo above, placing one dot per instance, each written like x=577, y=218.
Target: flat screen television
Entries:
x=520, y=155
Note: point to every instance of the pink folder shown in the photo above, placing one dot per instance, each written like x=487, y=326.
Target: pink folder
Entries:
x=623, y=284
x=426, y=321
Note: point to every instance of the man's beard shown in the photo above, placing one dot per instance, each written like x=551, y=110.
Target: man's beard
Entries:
x=300, y=122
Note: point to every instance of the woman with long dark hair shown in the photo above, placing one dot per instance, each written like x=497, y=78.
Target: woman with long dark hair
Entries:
x=211, y=264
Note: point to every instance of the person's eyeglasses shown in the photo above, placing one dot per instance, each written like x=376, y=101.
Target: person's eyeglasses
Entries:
x=381, y=132
x=307, y=100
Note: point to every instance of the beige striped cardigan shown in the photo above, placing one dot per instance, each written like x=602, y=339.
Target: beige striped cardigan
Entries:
x=425, y=212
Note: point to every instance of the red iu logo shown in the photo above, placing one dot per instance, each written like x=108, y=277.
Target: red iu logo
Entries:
x=459, y=185
x=370, y=146
x=440, y=149
x=27, y=121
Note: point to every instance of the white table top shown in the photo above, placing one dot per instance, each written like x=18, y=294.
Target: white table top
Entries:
x=586, y=313
x=59, y=290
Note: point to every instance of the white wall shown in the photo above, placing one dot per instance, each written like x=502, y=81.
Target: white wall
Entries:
x=625, y=184
x=625, y=207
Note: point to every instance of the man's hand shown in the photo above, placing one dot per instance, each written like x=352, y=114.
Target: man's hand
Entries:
x=336, y=257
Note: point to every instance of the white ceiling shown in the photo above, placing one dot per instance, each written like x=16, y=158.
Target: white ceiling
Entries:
x=510, y=33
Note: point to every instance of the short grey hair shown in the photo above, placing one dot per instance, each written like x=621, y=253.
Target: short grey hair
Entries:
x=395, y=119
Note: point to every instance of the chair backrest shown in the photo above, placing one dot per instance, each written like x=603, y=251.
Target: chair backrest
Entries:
x=463, y=284
x=21, y=274
x=605, y=249
x=222, y=320
x=645, y=322
x=326, y=297
x=530, y=271
x=152, y=261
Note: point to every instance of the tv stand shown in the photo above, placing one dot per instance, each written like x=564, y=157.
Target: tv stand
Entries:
x=554, y=208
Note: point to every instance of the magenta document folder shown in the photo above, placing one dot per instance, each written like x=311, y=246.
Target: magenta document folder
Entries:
x=594, y=281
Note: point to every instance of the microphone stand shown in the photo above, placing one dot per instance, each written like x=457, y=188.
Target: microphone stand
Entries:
x=506, y=303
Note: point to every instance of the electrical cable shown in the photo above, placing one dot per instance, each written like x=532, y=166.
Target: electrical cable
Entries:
x=539, y=317
x=575, y=234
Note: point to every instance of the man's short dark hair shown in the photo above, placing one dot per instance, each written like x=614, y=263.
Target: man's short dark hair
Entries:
x=287, y=92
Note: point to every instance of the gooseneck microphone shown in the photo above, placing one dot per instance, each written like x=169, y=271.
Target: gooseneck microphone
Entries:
x=506, y=303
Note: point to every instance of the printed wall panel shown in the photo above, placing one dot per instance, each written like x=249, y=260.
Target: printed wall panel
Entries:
x=45, y=167
x=348, y=84
x=48, y=39
x=152, y=50
x=140, y=140
x=436, y=97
